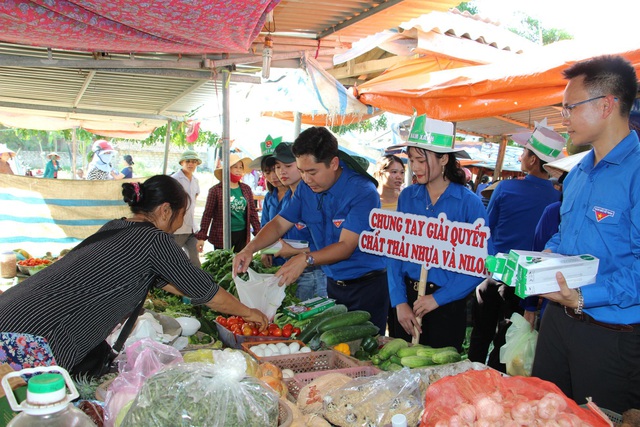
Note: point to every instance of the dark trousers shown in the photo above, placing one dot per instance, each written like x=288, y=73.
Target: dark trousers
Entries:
x=445, y=326
x=370, y=295
x=490, y=322
x=584, y=359
x=238, y=240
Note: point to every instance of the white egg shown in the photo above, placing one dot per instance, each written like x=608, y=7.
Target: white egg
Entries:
x=305, y=350
x=284, y=350
x=258, y=351
x=287, y=373
x=281, y=344
x=189, y=325
x=272, y=347
x=294, y=347
x=262, y=346
x=268, y=352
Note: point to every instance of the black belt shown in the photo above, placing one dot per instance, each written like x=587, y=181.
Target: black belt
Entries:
x=584, y=317
x=368, y=276
x=429, y=289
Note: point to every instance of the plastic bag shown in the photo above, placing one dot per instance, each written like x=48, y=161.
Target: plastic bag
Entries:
x=487, y=398
x=520, y=347
x=143, y=359
x=369, y=401
x=204, y=395
x=261, y=291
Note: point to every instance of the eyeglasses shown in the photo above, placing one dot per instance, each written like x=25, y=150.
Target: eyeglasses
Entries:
x=566, y=109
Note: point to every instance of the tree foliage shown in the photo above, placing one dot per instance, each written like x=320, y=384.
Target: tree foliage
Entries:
x=179, y=136
x=377, y=124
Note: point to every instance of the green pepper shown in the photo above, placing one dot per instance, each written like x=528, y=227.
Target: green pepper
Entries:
x=369, y=344
x=375, y=360
x=361, y=354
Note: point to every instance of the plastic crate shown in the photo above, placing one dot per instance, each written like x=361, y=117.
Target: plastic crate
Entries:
x=229, y=339
x=311, y=362
x=246, y=346
x=285, y=415
x=300, y=380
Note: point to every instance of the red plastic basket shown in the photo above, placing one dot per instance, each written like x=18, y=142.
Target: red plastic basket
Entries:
x=312, y=362
x=300, y=380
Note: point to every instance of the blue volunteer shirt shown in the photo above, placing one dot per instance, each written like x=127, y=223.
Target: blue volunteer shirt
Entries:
x=271, y=206
x=600, y=215
x=346, y=205
x=299, y=231
x=515, y=208
x=459, y=204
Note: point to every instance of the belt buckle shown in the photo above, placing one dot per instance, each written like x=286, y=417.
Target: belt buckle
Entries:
x=341, y=283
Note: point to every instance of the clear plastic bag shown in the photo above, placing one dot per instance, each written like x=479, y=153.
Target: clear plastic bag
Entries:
x=205, y=395
x=261, y=291
x=143, y=359
x=373, y=401
x=520, y=347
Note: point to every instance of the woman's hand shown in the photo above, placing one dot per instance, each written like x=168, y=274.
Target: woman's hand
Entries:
x=424, y=305
x=200, y=245
x=407, y=319
x=258, y=317
x=267, y=260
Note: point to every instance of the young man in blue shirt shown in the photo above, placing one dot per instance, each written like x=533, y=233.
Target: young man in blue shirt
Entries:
x=589, y=342
x=334, y=202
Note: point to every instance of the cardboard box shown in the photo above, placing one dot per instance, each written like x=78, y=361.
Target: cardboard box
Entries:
x=309, y=307
x=534, y=273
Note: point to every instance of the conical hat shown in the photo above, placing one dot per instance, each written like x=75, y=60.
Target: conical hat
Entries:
x=565, y=164
x=233, y=159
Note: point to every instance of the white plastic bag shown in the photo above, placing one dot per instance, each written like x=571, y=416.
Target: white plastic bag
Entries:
x=520, y=347
x=261, y=291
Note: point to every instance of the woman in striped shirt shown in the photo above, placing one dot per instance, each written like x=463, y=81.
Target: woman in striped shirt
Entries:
x=77, y=301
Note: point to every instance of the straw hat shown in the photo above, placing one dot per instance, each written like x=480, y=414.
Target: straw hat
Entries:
x=546, y=143
x=565, y=164
x=53, y=153
x=233, y=159
x=433, y=135
x=267, y=148
x=5, y=149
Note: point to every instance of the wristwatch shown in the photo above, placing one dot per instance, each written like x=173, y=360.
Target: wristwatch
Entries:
x=310, y=260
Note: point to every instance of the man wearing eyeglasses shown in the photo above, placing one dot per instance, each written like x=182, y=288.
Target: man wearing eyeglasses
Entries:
x=589, y=342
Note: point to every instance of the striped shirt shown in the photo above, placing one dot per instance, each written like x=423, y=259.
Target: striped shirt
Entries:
x=76, y=302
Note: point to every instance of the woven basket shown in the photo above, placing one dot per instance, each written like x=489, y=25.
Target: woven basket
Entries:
x=285, y=415
x=300, y=380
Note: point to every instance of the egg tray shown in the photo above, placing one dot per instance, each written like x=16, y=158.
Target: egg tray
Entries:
x=246, y=346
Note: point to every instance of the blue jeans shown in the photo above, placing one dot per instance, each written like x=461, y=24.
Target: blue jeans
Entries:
x=312, y=283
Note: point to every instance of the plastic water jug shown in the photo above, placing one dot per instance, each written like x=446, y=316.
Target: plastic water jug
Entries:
x=47, y=403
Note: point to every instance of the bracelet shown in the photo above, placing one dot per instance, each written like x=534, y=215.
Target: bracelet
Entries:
x=578, y=309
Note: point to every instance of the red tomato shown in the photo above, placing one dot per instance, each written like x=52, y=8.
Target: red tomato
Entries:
x=272, y=326
x=222, y=320
x=233, y=320
x=276, y=332
x=296, y=331
x=286, y=333
x=246, y=330
x=236, y=329
x=252, y=324
x=287, y=327
x=255, y=331
x=264, y=333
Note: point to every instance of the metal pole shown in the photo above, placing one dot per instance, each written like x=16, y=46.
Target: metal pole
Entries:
x=297, y=124
x=226, y=182
x=167, y=141
x=74, y=152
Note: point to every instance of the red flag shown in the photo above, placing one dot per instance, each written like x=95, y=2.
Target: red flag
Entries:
x=192, y=131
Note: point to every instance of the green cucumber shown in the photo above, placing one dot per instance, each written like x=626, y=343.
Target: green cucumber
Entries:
x=426, y=352
x=395, y=359
x=347, y=333
x=394, y=367
x=446, y=356
x=392, y=347
x=349, y=318
x=416, y=361
x=410, y=351
x=310, y=330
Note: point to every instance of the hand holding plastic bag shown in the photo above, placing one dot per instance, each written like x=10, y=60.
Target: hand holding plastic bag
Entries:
x=261, y=292
x=520, y=347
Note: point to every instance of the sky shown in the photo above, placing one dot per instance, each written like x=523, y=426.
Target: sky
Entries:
x=608, y=19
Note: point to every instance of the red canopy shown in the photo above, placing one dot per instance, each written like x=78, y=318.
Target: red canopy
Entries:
x=123, y=26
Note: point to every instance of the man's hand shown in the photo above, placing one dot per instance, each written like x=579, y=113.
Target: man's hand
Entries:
x=291, y=270
x=407, y=319
x=200, y=245
x=530, y=316
x=287, y=251
x=241, y=262
x=565, y=296
x=424, y=305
